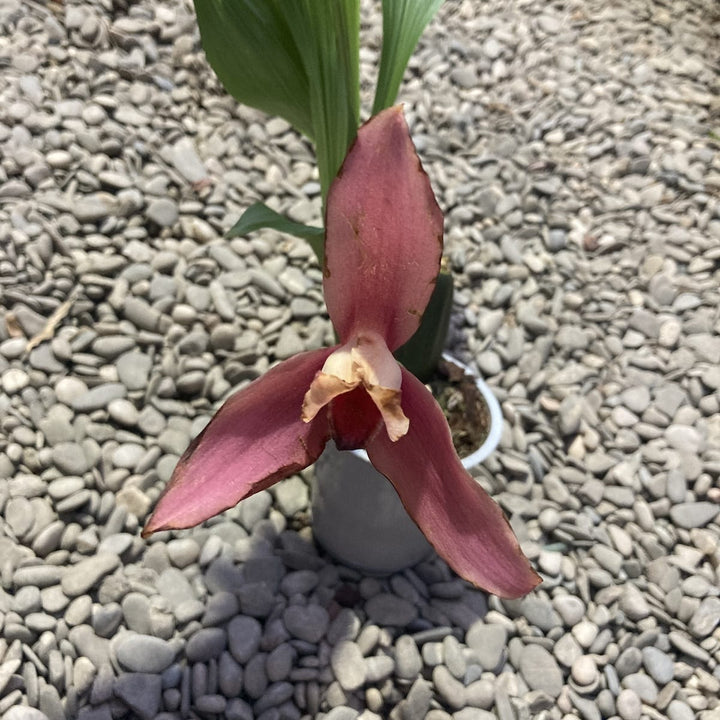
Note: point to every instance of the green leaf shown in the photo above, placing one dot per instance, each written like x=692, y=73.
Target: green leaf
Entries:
x=422, y=352
x=260, y=216
x=403, y=24
x=295, y=58
x=251, y=47
x=333, y=67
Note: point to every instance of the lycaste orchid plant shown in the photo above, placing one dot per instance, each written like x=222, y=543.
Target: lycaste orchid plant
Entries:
x=382, y=257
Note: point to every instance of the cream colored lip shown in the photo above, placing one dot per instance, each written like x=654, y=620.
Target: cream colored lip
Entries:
x=363, y=360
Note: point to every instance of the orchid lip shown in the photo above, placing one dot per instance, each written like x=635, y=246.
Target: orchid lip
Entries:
x=364, y=360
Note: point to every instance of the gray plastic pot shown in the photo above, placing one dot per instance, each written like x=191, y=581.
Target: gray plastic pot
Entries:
x=357, y=516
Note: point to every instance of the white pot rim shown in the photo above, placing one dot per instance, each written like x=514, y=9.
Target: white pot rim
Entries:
x=496, y=420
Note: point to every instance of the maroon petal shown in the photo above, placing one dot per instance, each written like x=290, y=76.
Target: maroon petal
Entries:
x=464, y=524
x=255, y=439
x=383, y=235
x=353, y=419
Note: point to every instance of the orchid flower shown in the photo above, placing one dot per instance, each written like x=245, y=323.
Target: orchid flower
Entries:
x=382, y=257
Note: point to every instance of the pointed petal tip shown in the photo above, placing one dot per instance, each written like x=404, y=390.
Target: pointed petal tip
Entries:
x=152, y=526
x=256, y=439
x=525, y=581
x=464, y=524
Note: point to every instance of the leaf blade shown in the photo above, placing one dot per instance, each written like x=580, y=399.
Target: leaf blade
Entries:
x=298, y=59
x=259, y=216
x=403, y=24
x=236, y=34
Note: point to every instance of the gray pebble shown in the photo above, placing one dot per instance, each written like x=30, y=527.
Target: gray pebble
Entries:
x=292, y=495
x=78, y=611
x=451, y=690
x=432, y=653
x=144, y=654
x=570, y=608
x=110, y=346
x=584, y=670
x=141, y=692
x=255, y=677
x=223, y=336
x=186, y=160
x=408, y=661
x=151, y=421
x=643, y=686
x=220, y=608
x=276, y=694
x=454, y=658
x=480, y=694
x=19, y=516
x=257, y=599
x=86, y=574
x=70, y=458
x=289, y=343
x=230, y=676
x=629, y=661
x=539, y=612
x=706, y=618
x=244, y=635
x=133, y=369
x=205, y=644
x=163, y=212
x=386, y=609
x=88, y=644
x=123, y=412
x=106, y=618
x=307, y=623
x=57, y=426
x=348, y=665
x=188, y=610
x=694, y=514
x=488, y=642
x=658, y=664
x=213, y=704
x=127, y=455
x=540, y=671
x=678, y=710
x=14, y=380
x=175, y=587
x=341, y=713
x=141, y=314
x=98, y=397
x=633, y=603
x=136, y=612
x=280, y=662
x=23, y=712
x=302, y=582
x=628, y=705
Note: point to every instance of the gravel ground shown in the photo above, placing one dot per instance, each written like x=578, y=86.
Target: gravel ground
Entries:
x=574, y=148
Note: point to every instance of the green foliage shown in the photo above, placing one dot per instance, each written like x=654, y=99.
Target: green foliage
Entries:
x=422, y=352
x=259, y=216
x=295, y=58
x=403, y=24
